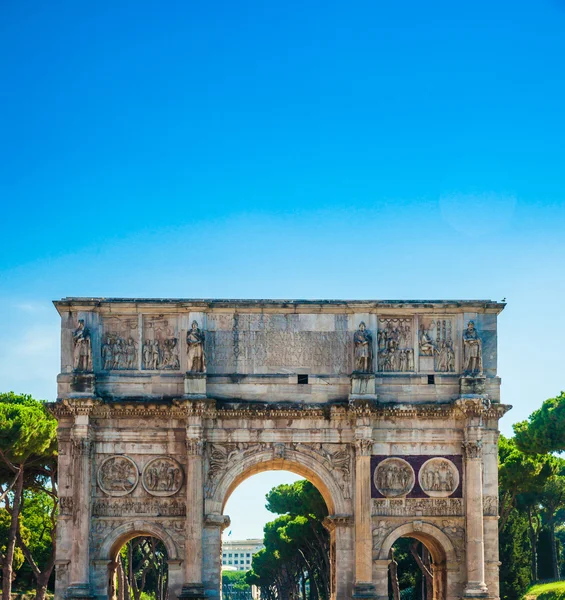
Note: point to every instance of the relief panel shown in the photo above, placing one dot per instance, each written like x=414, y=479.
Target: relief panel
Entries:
x=435, y=344
x=395, y=344
x=120, y=343
x=117, y=475
x=160, y=349
x=162, y=476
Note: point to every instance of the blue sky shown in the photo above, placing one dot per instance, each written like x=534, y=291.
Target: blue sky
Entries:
x=261, y=149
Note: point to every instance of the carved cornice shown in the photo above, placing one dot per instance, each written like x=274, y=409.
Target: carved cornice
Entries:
x=207, y=409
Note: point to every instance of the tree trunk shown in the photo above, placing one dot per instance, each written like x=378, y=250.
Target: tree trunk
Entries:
x=426, y=571
x=7, y=570
x=554, y=563
x=533, y=534
x=393, y=568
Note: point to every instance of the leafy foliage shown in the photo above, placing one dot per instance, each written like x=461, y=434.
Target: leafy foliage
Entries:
x=544, y=431
x=296, y=553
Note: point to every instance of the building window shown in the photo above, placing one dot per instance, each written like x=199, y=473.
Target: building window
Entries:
x=248, y=555
x=229, y=555
x=235, y=562
x=248, y=562
x=229, y=562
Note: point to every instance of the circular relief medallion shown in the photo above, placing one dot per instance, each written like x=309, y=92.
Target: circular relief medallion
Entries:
x=117, y=475
x=162, y=476
x=394, y=478
x=438, y=477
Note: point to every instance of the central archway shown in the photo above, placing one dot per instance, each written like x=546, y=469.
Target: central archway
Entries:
x=335, y=493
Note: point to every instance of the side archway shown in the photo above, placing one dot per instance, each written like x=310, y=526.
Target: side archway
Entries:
x=124, y=533
x=439, y=545
x=442, y=551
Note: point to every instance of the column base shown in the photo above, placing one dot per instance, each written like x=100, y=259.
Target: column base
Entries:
x=365, y=590
x=79, y=591
x=192, y=591
x=470, y=385
x=478, y=590
x=83, y=385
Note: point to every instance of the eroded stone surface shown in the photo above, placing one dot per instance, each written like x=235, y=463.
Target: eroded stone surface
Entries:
x=165, y=406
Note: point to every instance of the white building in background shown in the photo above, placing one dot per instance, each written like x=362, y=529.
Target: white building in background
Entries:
x=237, y=554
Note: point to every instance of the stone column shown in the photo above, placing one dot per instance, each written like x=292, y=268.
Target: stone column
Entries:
x=193, y=587
x=214, y=525
x=475, y=548
x=342, y=558
x=380, y=578
x=364, y=587
x=82, y=451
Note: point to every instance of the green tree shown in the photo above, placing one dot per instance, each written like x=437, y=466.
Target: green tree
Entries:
x=515, y=556
x=544, y=431
x=296, y=553
x=27, y=444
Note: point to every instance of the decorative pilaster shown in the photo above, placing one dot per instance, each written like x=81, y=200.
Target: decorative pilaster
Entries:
x=364, y=587
x=82, y=448
x=475, y=550
x=193, y=587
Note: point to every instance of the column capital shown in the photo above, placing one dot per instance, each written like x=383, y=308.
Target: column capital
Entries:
x=473, y=449
x=332, y=522
x=364, y=447
x=195, y=446
x=217, y=520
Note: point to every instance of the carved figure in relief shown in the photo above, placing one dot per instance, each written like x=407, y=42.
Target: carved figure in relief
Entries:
x=363, y=349
x=82, y=351
x=426, y=344
x=162, y=477
x=119, y=353
x=394, y=477
x=117, y=475
x=196, y=354
x=472, y=351
x=394, y=340
x=160, y=354
x=438, y=477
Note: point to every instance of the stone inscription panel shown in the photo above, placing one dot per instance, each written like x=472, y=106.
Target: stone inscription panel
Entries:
x=271, y=343
x=426, y=464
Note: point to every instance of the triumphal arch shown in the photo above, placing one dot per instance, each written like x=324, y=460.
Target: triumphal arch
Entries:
x=390, y=408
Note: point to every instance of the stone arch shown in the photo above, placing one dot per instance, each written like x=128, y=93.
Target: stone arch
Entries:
x=440, y=546
x=122, y=534
x=300, y=463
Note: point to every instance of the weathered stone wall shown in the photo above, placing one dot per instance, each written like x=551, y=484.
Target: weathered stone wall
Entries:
x=399, y=435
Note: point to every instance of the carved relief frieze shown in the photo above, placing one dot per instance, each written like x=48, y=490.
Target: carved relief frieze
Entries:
x=162, y=476
x=395, y=345
x=122, y=507
x=120, y=343
x=427, y=507
x=380, y=531
x=160, y=349
x=438, y=477
x=118, y=475
x=394, y=477
x=435, y=339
